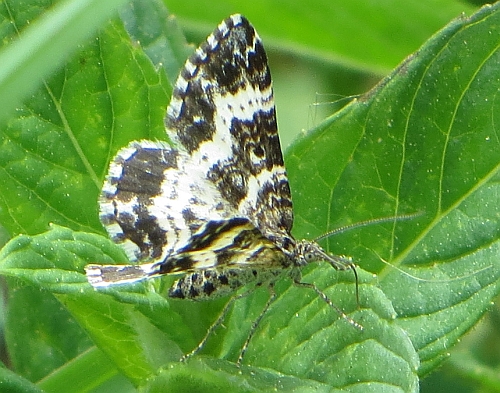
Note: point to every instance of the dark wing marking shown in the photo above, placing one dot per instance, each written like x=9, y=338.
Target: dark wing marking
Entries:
x=155, y=200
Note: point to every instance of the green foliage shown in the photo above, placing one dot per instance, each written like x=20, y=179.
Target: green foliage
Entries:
x=424, y=140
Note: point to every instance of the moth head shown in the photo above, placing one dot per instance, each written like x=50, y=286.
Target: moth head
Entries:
x=309, y=251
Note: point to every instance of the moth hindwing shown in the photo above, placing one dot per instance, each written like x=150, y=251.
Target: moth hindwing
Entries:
x=217, y=206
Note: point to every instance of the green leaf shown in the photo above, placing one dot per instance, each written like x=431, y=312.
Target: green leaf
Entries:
x=54, y=153
x=34, y=51
x=160, y=38
x=54, y=260
x=86, y=371
x=211, y=375
x=13, y=383
x=49, y=262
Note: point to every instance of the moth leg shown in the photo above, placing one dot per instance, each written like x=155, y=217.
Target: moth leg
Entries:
x=215, y=325
x=256, y=323
x=327, y=300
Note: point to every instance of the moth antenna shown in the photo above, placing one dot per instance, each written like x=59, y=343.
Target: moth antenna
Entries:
x=340, y=98
x=339, y=102
x=458, y=278
x=373, y=221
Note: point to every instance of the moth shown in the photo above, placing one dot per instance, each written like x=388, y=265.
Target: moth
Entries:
x=216, y=204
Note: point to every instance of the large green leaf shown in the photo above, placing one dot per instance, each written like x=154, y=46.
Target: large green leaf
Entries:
x=36, y=49
x=54, y=153
x=422, y=141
